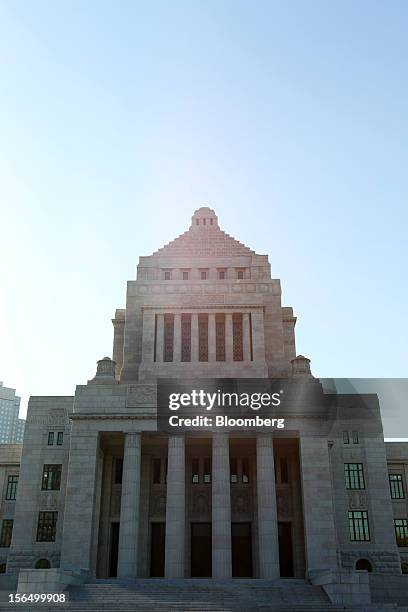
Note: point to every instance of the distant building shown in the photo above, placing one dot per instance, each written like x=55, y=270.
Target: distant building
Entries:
x=11, y=427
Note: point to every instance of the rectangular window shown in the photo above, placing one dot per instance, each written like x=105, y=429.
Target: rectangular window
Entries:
x=354, y=475
x=51, y=480
x=168, y=337
x=396, y=486
x=346, y=439
x=11, y=490
x=220, y=337
x=233, y=470
x=195, y=474
x=240, y=274
x=50, y=438
x=202, y=337
x=185, y=337
x=355, y=437
x=156, y=470
x=185, y=275
x=238, y=349
x=221, y=274
x=118, y=470
x=207, y=470
x=203, y=274
x=358, y=526
x=245, y=471
x=167, y=274
x=47, y=526
x=284, y=473
x=60, y=438
x=6, y=533
x=401, y=531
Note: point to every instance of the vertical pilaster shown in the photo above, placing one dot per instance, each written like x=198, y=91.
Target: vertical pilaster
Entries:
x=177, y=338
x=76, y=550
x=194, y=337
x=267, y=518
x=129, y=508
x=258, y=335
x=175, y=508
x=246, y=337
x=221, y=508
x=229, y=338
x=320, y=536
x=160, y=338
x=211, y=337
x=148, y=336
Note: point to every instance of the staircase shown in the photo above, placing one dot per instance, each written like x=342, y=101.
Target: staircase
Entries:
x=192, y=595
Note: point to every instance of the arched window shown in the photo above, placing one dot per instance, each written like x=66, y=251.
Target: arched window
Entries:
x=42, y=564
x=364, y=564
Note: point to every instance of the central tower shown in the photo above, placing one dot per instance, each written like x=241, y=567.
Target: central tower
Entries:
x=204, y=306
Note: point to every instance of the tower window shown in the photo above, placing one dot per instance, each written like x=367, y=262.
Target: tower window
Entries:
x=396, y=486
x=51, y=480
x=50, y=438
x=346, y=439
x=203, y=274
x=358, y=526
x=221, y=274
x=203, y=337
x=47, y=526
x=354, y=475
x=167, y=275
x=6, y=533
x=185, y=274
x=401, y=531
x=60, y=438
x=11, y=490
x=240, y=274
x=168, y=337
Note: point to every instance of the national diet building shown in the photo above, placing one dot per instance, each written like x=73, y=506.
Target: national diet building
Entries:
x=97, y=492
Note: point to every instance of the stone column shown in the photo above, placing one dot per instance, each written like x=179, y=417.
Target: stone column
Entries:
x=129, y=507
x=194, y=337
x=77, y=538
x=177, y=338
x=175, y=508
x=258, y=335
x=229, y=338
x=246, y=336
x=267, y=518
x=160, y=338
x=211, y=337
x=318, y=511
x=221, y=507
x=148, y=335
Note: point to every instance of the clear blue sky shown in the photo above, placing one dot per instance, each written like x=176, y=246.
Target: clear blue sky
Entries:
x=117, y=120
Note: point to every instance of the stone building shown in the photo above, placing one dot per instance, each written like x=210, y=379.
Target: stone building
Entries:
x=101, y=489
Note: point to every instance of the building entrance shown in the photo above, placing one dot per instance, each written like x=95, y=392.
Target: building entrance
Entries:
x=114, y=547
x=158, y=544
x=201, y=550
x=285, y=549
x=241, y=550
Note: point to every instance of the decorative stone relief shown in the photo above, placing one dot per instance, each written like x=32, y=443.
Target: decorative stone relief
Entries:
x=158, y=504
x=49, y=501
x=241, y=504
x=284, y=501
x=141, y=395
x=201, y=503
x=357, y=500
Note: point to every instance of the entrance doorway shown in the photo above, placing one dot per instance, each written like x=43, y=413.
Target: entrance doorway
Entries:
x=285, y=549
x=241, y=550
x=158, y=545
x=114, y=547
x=201, y=550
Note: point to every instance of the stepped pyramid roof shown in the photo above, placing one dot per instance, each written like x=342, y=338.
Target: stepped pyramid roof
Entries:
x=204, y=237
